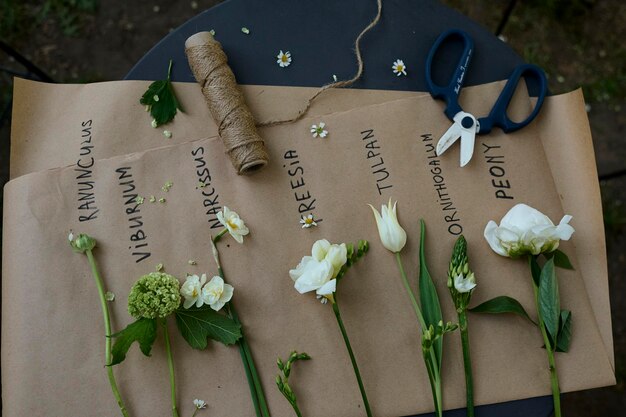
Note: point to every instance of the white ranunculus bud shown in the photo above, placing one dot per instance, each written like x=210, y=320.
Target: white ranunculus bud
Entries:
x=392, y=235
x=526, y=231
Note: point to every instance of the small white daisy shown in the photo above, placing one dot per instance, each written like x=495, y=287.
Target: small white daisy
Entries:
x=199, y=404
x=399, y=68
x=284, y=59
x=318, y=130
x=307, y=221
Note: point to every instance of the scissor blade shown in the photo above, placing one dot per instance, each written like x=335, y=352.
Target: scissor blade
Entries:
x=448, y=138
x=467, y=145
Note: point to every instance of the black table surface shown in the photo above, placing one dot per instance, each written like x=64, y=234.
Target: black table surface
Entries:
x=320, y=36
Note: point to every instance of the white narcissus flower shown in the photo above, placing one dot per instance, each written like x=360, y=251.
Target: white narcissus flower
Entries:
x=463, y=284
x=191, y=290
x=216, y=293
x=235, y=225
x=392, y=235
x=526, y=231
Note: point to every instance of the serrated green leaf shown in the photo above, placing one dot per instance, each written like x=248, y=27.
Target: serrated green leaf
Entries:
x=565, y=331
x=561, y=260
x=143, y=331
x=197, y=324
x=549, y=305
x=429, y=299
x=502, y=304
x=163, y=109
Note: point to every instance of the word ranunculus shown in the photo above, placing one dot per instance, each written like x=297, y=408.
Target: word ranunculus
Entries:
x=526, y=231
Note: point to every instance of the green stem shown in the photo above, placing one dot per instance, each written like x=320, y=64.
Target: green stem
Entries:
x=170, y=363
x=405, y=281
x=352, y=358
x=254, y=382
x=169, y=70
x=107, y=331
x=467, y=363
x=554, y=379
x=219, y=235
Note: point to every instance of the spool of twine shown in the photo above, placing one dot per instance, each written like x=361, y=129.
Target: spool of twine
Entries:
x=236, y=125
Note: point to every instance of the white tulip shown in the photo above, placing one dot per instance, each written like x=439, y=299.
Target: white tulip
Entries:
x=192, y=289
x=463, y=284
x=525, y=230
x=392, y=235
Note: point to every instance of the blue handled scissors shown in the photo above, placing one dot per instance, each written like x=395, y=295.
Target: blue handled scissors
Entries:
x=465, y=125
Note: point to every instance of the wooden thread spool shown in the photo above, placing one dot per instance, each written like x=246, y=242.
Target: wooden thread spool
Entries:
x=236, y=125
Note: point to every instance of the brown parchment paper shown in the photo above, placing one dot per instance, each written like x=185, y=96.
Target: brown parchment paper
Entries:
x=52, y=336
x=48, y=135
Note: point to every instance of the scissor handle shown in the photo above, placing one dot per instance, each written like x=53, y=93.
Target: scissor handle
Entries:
x=498, y=116
x=450, y=92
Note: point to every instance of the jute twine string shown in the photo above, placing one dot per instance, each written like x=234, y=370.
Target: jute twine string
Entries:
x=236, y=125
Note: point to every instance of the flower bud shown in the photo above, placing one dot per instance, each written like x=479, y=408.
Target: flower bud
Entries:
x=392, y=235
x=82, y=243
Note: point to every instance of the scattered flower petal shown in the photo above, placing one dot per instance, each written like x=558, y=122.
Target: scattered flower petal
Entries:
x=284, y=59
x=162, y=200
x=398, y=67
x=159, y=267
x=245, y=30
x=155, y=97
x=152, y=199
x=154, y=123
x=166, y=187
x=139, y=200
x=192, y=262
x=199, y=404
x=167, y=134
x=212, y=32
x=319, y=131
x=334, y=77
x=109, y=296
x=307, y=221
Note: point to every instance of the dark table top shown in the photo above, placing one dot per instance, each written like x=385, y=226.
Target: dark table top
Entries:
x=320, y=36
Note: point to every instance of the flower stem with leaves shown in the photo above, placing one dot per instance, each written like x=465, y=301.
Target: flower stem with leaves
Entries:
x=252, y=375
x=85, y=244
x=282, y=382
x=461, y=283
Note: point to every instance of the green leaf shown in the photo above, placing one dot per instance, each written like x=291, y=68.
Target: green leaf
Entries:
x=429, y=299
x=198, y=324
x=561, y=260
x=502, y=304
x=163, y=109
x=549, y=305
x=565, y=331
x=143, y=331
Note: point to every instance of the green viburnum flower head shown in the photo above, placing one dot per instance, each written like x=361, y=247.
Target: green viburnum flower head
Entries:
x=155, y=295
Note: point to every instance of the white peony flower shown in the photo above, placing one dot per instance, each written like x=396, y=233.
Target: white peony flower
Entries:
x=526, y=231
x=216, y=293
x=191, y=290
x=463, y=284
x=392, y=235
x=235, y=225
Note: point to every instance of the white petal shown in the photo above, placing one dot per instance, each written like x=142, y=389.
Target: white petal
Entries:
x=328, y=288
x=490, y=236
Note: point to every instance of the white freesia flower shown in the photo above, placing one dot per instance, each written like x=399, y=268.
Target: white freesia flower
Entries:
x=392, y=235
x=216, y=293
x=235, y=225
x=525, y=230
x=314, y=275
x=191, y=290
x=337, y=255
x=199, y=404
x=464, y=284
